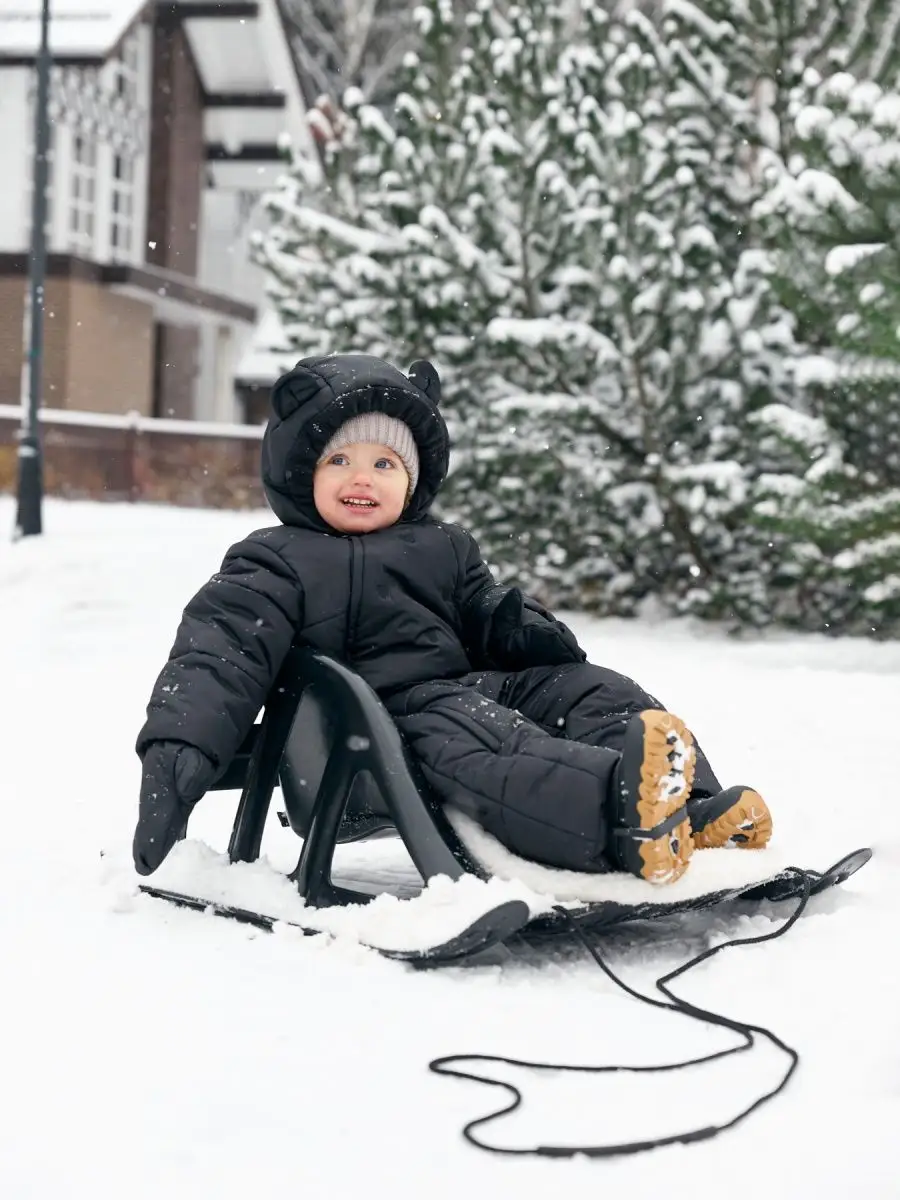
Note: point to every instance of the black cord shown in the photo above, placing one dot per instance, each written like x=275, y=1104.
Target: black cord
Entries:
x=446, y=1064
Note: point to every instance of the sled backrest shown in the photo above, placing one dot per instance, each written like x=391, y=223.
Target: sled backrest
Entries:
x=307, y=716
x=345, y=774
x=336, y=712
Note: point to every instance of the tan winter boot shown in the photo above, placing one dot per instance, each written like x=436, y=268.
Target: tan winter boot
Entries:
x=737, y=816
x=651, y=829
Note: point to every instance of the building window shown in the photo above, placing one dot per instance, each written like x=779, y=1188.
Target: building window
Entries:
x=122, y=203
x=122, y=224
x=83, y=194
x=126, y=71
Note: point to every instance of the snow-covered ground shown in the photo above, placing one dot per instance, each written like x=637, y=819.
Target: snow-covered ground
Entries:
x=150, y=1052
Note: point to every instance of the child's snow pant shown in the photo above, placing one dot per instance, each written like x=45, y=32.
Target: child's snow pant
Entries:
x=530, y=754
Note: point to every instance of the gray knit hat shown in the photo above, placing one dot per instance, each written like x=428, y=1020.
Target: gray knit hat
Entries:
x=380, y=430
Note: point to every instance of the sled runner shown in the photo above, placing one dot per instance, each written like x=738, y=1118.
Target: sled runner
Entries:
x=345, y=775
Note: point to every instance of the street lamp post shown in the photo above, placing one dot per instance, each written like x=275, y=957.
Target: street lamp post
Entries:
x=29, y=495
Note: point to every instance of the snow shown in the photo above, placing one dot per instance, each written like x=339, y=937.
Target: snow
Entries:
x=136, y=421
x=415, y=921
x=873, y=550
x=793, y=424
x=77, y=27
x=708, y=873
x=539, y=331
x=844, y=258
x=266, y=357
x=319, y=222
x=150, y=1051
x=814, y=368
x=713, y=30
x=811, y=192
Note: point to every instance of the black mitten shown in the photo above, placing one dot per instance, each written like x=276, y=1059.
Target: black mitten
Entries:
x=175, y=777
x=528, y=636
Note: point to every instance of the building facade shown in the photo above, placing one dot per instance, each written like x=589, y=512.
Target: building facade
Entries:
x=166, y=125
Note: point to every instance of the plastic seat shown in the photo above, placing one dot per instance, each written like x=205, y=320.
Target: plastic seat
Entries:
x=345, y=775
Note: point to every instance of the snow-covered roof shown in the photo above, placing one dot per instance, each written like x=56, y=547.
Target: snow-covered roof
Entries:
x=78, y=28
x=246, y=63
x=242, y=53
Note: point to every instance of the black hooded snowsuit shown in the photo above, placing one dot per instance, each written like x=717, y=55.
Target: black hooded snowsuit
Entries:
x=505, y=717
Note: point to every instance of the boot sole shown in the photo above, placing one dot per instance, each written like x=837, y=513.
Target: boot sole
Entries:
x=745, y=825
x=663, y=756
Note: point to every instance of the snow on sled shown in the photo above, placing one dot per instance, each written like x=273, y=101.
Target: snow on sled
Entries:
x=345, y=776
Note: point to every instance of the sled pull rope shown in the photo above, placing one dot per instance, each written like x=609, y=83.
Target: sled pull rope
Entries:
x=447, y=1065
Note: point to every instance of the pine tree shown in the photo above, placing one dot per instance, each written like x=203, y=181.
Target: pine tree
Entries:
x=652, y=325
x=345, y=242
x=766, y=46
x=341, y=44
x=838, y=216
x=323, y=249
x=559, y=222
x=834, y=219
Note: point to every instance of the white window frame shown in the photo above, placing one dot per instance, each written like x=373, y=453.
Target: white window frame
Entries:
x=124, y=83
x=101, y=160
x=84, y=183
x=122, y=207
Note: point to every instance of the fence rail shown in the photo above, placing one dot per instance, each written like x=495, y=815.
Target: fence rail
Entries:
x=103, y=456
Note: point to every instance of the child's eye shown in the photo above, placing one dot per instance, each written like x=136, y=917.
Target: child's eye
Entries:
x=339, y=459
x=384, y=462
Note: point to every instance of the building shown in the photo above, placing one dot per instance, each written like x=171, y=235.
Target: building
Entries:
x=167, y=118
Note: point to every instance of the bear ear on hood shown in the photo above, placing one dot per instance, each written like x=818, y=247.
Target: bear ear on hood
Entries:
x=294, y=389
x=424, y=375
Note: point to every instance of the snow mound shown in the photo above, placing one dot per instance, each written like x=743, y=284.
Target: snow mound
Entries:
x=439, y=912
x=710, y=871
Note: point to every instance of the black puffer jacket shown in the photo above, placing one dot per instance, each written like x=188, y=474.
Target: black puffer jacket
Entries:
x=401, y=606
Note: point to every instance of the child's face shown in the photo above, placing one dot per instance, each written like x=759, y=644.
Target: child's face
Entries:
x=360, y=488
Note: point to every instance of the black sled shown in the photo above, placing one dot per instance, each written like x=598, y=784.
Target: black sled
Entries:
x=345, y=775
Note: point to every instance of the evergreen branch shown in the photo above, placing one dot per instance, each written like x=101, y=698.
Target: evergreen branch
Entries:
x=656, y=460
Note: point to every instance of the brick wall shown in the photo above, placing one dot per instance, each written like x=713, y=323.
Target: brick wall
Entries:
x=12, y=297
x=116, y=458
x=110, y=360
x=56, y=338
x=98, y=346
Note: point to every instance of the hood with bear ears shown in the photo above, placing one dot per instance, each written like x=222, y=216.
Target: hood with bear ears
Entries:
x=317, y=396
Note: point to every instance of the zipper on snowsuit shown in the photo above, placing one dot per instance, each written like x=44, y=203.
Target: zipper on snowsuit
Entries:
x=354, y=603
